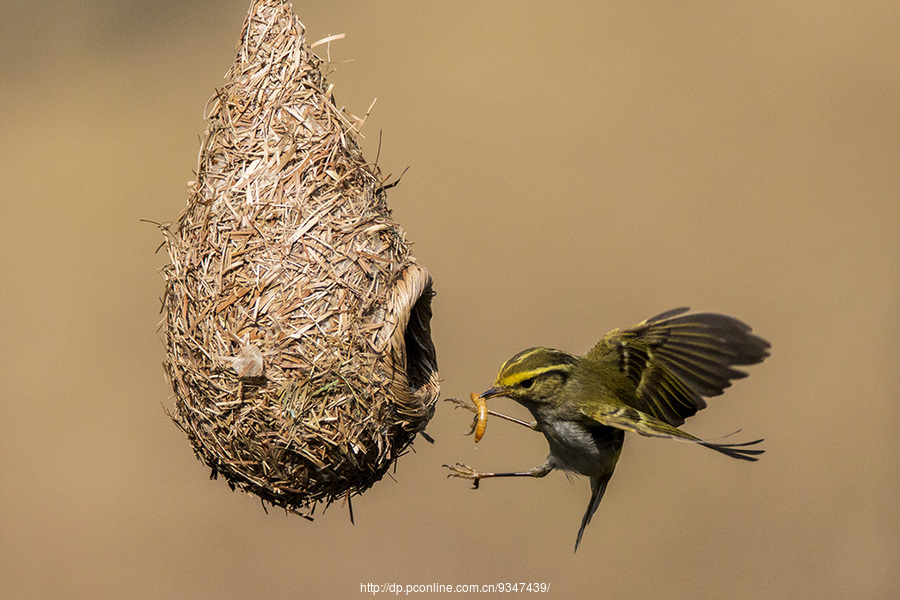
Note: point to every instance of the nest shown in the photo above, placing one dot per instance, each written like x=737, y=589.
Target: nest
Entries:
x=297, y=323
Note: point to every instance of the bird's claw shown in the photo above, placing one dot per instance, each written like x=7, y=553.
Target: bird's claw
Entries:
x=478, y=406
x=469, y=406
x=465, y=472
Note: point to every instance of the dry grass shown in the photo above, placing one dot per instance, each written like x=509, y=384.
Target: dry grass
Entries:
x=296, y=320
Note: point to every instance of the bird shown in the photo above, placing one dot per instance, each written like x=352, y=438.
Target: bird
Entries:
x=646, y=379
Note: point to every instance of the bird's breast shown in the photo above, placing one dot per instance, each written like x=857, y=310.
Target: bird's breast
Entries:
x=574, y=447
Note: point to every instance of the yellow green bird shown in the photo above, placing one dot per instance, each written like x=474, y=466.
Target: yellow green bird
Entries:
x=646, y=379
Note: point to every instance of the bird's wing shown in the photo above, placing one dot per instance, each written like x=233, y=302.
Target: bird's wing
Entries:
x=674, y=360
x=631, y=419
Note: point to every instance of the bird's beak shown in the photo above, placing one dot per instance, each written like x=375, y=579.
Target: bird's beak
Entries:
x=493, y=392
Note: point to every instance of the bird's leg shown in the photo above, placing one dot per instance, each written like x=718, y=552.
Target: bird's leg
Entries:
x=472, y=408
x=533, y=425
x=467, y=472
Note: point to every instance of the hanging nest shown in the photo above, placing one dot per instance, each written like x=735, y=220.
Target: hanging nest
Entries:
x=297, y=324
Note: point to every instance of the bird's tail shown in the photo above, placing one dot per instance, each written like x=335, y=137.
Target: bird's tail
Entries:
x=598, y=488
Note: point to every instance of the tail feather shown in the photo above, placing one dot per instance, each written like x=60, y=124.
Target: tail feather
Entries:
x=598, y=488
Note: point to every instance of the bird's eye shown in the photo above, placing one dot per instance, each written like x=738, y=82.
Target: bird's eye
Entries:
x=527, y=383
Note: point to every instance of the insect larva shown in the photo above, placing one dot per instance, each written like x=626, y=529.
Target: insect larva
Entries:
x=481, y=415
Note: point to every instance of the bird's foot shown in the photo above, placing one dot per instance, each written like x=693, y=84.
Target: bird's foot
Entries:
x=469, y=406
x=465, y=472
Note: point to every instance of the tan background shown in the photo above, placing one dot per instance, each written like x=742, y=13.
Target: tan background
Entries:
x=574, y=168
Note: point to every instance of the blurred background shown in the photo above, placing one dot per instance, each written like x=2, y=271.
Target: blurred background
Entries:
x=574, y=167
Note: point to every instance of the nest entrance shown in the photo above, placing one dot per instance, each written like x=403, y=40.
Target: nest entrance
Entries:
x=421, y=359
x=412, y=350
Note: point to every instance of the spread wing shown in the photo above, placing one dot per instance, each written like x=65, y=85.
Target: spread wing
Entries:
x=675, y=360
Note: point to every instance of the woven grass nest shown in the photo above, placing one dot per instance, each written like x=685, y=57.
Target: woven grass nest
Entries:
x=296, y=321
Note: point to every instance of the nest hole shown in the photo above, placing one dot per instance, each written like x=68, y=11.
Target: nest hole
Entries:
x=421, y=358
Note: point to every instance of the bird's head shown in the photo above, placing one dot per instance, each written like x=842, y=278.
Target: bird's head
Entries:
x=533, y=376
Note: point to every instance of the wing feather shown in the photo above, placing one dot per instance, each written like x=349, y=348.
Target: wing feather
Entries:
x=675, y=360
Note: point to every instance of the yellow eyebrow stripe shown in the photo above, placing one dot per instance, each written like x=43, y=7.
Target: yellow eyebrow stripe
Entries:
x=515, y=378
